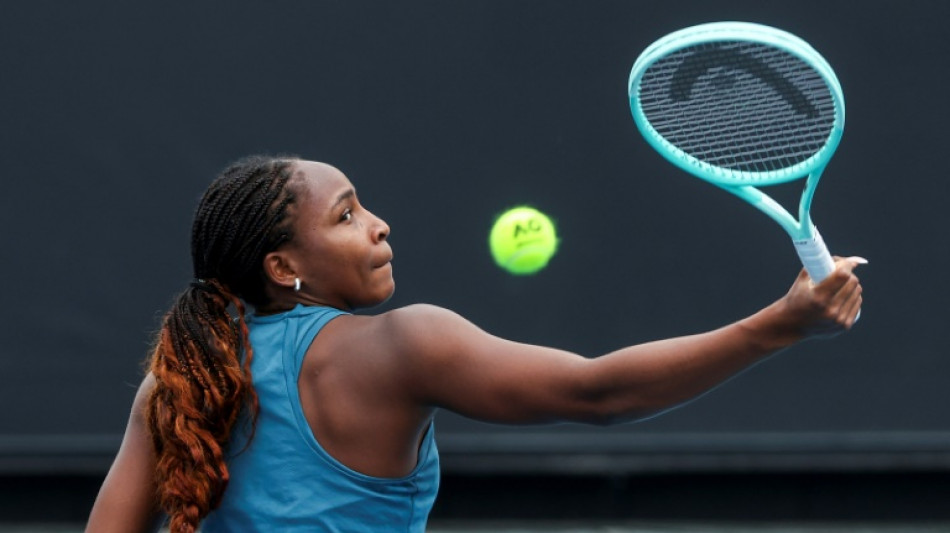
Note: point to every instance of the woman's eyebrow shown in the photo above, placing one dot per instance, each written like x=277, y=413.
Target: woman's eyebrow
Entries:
x=345, y=195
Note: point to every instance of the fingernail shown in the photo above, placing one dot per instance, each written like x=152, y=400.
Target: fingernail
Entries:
x=857, y=259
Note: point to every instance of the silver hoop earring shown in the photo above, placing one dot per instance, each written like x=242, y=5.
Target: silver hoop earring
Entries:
x=296, y=284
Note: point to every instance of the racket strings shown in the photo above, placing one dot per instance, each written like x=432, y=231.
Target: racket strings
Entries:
x=740, y=106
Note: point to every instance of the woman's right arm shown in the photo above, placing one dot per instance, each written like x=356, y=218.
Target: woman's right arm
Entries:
x=127, y=502
x=450, y=363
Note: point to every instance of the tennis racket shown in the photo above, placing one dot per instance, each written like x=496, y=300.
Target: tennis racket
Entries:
x=742, y=106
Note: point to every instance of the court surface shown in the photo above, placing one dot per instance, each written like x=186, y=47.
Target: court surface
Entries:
x=624, y=527
x=692, y=528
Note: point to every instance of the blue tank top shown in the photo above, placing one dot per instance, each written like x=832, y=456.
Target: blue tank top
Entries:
x=284, y=480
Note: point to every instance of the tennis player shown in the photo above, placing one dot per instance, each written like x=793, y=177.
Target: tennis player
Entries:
x=300, y=416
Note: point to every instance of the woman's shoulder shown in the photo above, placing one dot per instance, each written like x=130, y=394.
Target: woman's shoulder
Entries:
x=416, y=319
x=420, y=311
x=411, y=329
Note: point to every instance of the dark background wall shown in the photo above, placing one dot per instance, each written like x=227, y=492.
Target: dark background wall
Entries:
x=115, y=116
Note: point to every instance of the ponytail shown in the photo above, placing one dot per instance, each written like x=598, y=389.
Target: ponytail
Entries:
x=202, y=357
x=202, y=385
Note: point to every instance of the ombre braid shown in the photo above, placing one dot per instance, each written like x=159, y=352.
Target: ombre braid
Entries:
x=201, y=361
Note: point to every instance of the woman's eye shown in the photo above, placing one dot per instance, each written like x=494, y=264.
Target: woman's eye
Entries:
x=346, y=216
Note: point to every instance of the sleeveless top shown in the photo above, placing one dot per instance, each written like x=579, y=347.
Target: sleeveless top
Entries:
x=284, y=480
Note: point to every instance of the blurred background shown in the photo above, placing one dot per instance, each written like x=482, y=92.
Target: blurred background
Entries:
x=116, y=115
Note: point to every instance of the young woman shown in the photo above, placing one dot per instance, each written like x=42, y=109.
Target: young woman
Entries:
x=301, y=416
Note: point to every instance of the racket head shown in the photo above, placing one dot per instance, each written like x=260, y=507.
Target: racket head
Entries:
x=738, y=103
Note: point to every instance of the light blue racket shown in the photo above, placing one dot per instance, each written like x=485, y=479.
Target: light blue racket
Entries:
x=742, y=106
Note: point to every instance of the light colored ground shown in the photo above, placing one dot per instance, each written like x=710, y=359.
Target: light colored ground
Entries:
x=565, y=527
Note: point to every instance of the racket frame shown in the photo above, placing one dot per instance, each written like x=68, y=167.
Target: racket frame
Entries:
x=808, y=242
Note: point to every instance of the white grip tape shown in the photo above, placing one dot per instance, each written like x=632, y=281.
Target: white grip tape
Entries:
x=815, y=256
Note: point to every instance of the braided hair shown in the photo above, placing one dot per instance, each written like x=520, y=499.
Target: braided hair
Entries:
x=202, y=356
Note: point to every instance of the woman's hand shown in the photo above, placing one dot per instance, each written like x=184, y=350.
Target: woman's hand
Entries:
x=827, y=308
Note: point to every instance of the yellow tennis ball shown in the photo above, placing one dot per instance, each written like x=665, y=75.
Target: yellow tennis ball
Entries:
x=523, y=240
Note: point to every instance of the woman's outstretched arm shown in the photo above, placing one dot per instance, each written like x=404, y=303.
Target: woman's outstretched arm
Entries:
x=450, y=363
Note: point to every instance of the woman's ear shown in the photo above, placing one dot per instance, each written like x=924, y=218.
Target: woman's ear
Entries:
x=278, y=269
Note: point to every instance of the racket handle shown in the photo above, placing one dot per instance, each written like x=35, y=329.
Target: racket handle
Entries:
x=815, y=256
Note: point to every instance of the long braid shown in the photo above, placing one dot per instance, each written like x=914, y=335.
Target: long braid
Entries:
x=202, y=357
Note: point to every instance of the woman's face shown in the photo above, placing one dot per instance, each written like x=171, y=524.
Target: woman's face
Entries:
x=339, y=249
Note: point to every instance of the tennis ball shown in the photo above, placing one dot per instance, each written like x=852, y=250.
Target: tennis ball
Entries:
x=523, y=240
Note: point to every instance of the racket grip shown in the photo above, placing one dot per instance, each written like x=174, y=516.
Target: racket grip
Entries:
x=815, y=256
